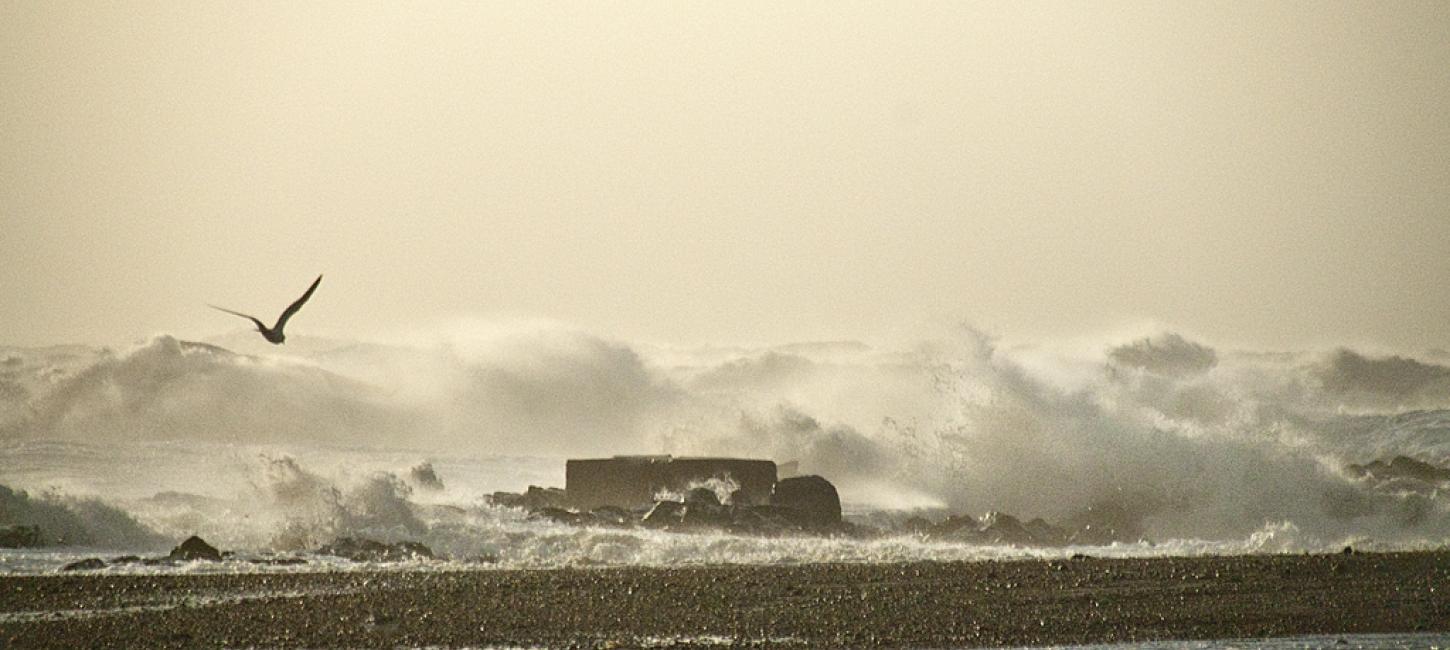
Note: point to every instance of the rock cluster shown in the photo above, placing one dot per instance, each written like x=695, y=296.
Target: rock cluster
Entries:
x=1098, y=526
x=807, y=504
x=192, y=549
x=359, y=549
x=536, y=498
x=993, y=528
x=195, y=548
x=811, y=505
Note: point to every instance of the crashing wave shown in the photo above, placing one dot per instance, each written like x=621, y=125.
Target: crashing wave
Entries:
x=1179, y=439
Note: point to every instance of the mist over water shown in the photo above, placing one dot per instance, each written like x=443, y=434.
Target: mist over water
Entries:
x=1200, y=448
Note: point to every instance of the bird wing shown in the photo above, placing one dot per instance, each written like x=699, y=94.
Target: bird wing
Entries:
x=292, y=308
x=260, y=326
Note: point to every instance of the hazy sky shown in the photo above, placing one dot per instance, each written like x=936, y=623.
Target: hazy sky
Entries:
x=1264, y=173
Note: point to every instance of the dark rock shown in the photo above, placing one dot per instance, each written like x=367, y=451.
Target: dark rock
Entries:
x=506, y=499
x=126, y=559
x=664, y=514
x=605, y=516
x=359, y=549
x=701, y=496
x=737, y=497
x=1045, y=534
x=991, y=528
x=19, y=536
x=813, y=496
x=781, y=518
x=1401, y=467
x=705, y=515
x=534, y=499
x=777, y=520
x=542, y=497
x=559, y=515
x=1348, y=550
x=998, y=528
x=747, y=521
x=195, y=548
x=88, y=564
x=612, y=516
x=1002, y=528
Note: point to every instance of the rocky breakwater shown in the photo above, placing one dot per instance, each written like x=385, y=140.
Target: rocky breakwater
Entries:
x=798, y=505
x=743, y=496
x=196, y=549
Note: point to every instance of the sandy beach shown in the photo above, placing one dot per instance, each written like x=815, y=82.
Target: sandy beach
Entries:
x=959, y=604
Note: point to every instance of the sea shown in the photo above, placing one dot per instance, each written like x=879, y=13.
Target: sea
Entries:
x=269, y=452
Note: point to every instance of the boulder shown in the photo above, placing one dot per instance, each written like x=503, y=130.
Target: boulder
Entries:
x=195, y=548
x=88, y=564
x=813, y=496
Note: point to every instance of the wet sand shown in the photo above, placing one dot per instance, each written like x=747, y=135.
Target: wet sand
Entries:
x=957, y=604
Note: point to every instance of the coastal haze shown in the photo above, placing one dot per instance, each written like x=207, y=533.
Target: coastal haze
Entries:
x=1268, y=176
x=1169, y=278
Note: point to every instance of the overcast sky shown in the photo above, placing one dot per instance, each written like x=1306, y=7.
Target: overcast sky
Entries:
x=1271, y=174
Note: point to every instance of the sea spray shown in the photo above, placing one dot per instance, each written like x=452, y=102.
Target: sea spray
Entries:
x=1171, y=436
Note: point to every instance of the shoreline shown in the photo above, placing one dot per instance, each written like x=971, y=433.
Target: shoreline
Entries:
x=920, y=604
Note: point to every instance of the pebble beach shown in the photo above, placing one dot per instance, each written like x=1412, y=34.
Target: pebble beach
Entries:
x=935, y=604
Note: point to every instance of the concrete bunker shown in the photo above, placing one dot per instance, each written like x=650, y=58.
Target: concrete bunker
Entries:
x=631, y=482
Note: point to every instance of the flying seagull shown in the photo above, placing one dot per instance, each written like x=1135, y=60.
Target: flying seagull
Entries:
x=274, y=333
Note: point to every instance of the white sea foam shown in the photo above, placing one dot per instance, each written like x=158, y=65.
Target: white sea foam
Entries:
x=1203, y=450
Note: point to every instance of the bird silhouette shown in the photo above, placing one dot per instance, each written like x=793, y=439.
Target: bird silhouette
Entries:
x=274, y=333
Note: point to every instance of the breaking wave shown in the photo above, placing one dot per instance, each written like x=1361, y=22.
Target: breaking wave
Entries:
x=1180, y=439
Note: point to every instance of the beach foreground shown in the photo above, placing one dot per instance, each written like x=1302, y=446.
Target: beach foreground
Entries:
x=959, y=604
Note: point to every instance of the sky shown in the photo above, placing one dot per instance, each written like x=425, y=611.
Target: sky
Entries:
x=1267, y=174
